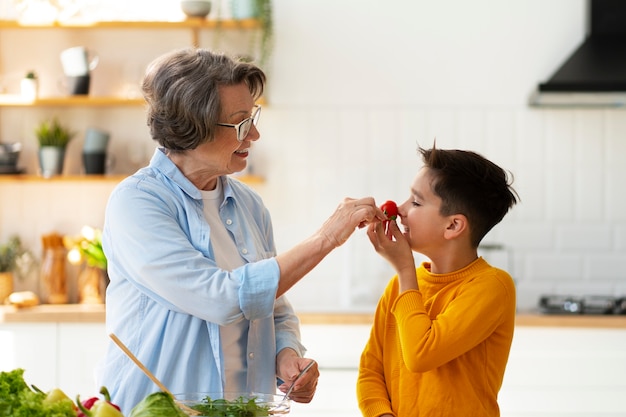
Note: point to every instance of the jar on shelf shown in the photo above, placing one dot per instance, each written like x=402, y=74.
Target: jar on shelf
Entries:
x=53, y=272
x=6, y=285
x=90, y=285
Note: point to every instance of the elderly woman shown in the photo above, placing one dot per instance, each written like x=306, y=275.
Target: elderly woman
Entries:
x=197, y=289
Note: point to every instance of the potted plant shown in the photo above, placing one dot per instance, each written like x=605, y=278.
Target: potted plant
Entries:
x=10, y=252
x=262, y=11
x=87, y=249
x=53, y=139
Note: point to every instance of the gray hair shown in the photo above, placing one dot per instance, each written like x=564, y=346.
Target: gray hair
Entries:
x=181, y=89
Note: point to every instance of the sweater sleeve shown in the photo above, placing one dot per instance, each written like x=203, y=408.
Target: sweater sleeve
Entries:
x=470, y=315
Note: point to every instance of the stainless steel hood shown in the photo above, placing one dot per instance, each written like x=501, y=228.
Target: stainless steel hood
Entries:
x=595, y=74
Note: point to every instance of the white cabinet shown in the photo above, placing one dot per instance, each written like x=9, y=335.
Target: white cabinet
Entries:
x=337, y=350
x=31, y=346
x=552, y=371
x=81, y=347
x=53, y=355
x=565, y=372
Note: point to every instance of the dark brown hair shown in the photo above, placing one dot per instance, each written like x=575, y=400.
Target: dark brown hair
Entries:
x=181, y=89
x=470, y=184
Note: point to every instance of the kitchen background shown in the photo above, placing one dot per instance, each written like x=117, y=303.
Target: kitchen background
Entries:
x=354, y=87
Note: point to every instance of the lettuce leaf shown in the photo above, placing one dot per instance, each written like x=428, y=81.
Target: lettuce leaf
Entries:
x=157, y=404
x=18, y=400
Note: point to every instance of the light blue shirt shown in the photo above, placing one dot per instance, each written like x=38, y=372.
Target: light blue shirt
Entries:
x=167, y=298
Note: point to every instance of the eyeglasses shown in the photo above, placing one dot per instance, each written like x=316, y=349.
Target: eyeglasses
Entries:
x=243, y=127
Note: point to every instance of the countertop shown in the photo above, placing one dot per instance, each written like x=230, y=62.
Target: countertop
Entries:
x=94, y=313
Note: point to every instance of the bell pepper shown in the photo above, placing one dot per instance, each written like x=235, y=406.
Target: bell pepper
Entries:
x=55, y=395
x=96, y=407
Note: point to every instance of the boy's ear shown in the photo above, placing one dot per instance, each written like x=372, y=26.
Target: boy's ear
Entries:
x=456, y=226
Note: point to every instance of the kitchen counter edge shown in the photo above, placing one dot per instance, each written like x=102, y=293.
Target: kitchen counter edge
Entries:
x=94, y=313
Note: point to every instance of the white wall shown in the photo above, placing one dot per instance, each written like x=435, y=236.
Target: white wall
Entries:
x=355, y=85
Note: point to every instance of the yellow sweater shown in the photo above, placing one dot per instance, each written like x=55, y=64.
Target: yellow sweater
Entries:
x=442, y=350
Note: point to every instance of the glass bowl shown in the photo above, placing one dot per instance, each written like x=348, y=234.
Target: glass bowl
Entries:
x=239, y=404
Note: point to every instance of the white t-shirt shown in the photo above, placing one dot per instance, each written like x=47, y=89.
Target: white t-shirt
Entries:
x=234, y=337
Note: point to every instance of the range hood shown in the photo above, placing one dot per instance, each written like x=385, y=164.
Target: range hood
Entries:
x=595, y=74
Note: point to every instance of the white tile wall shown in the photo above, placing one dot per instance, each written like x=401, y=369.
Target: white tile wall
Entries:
x=354, y=88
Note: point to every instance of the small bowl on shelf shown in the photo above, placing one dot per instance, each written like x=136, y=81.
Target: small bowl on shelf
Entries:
x=234, y=403
x=196, y=8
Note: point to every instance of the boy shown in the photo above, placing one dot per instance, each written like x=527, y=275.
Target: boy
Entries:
x=442, y=332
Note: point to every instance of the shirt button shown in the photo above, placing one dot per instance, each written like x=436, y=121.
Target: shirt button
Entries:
x=244, y=251
x=229, y=222
x=251, y=355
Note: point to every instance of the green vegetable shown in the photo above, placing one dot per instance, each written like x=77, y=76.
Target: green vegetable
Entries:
x=240, y=407
x=18, y=400
x=158, y=404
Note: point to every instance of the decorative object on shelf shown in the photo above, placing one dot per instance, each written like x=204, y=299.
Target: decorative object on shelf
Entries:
x=86, y=249
x=78, y=62
x=53, y=274
x=196, y=8
x=95, y=151
x=53, y=139
x=9, y=156
x=30, y=86
x=9, y=252
x=261, y=10
x=15, y=263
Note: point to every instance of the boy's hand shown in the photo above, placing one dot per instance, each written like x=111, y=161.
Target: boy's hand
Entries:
x=397, y=250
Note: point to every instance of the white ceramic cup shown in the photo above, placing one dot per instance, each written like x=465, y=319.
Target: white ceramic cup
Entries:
x=78, y=60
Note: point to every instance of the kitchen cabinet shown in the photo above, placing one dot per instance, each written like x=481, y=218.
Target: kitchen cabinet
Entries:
x=30, y=346
x=559, y=365
x=554, y=371
x=60, y=355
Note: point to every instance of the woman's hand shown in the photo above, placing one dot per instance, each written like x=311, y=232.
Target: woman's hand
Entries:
x=298, y=261
x=288, y=366
x=349, y=215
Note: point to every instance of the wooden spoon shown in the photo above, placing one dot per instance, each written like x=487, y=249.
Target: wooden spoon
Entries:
x=154, y=379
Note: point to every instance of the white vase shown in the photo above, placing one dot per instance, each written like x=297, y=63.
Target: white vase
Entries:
x=29, y=88
x=51, y=160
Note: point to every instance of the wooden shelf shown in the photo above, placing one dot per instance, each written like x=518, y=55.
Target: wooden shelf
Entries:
x=59, y=178
x=248, y=179
x=189, y=23
x=16, y=100
x=194, y=24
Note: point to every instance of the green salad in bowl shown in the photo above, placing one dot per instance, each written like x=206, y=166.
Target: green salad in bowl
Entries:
x=235, y=404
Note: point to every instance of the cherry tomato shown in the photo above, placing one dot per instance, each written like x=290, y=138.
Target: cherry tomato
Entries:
x=390, y=209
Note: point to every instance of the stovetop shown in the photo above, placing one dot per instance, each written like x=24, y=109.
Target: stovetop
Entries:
x=590, y=304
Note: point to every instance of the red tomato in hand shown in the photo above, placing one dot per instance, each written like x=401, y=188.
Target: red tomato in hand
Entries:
x=390, y=209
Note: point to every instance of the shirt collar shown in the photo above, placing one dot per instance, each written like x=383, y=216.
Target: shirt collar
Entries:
x=163, y=164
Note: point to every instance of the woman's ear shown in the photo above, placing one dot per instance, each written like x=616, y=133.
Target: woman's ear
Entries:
x=457, y=225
